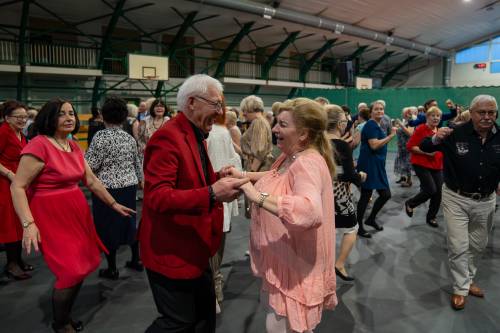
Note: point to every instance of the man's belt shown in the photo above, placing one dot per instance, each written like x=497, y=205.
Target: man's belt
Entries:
x=473, y=196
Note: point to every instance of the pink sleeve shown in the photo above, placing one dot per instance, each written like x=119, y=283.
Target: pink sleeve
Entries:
x=36, y=147
x=304, y=207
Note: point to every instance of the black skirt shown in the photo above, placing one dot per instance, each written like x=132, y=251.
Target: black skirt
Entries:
x=114, y=229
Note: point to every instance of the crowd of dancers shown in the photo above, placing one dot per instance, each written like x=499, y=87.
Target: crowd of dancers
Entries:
x=296, y=165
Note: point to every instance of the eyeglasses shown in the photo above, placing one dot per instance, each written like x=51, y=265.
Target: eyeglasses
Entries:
x=483, y=113
x=215, y=105
x=343, y=121
x=20, y=118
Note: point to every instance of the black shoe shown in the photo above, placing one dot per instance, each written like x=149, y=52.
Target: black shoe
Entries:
x=137, y=265
x=408, y=210
x=402, y=179
x=11, y=274
x=363, y=233
x=432, y=222
x=109, y=274
x=77, y=325
x=342, y=276
x=374, y=225
x=26, y=267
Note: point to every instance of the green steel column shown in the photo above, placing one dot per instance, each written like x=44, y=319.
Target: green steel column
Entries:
x=377, y=62
x=387, y=77
x=227, y=52
x=22, y=49
x=106, y=39
x=274, y=57
x=188, y=21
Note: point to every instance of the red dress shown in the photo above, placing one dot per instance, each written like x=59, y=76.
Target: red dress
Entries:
x=69, y=242
x=10, y=154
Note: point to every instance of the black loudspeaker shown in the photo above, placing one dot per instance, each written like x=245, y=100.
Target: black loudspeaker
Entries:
x=345, y=73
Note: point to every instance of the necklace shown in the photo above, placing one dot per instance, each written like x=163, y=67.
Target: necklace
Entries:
x=162, y=120
x=288, y=161
x=66, y=148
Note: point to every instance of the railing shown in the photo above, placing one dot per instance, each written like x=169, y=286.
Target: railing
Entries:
x=8, y=52
x=42, y=54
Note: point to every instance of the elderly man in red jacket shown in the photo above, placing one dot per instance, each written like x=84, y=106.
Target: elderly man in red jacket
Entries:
x=182, y=218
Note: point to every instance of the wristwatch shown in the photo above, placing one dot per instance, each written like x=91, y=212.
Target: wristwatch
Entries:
x=263, y=197
x=26, y=224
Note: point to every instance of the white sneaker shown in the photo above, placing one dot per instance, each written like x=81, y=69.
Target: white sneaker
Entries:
x=217, y=307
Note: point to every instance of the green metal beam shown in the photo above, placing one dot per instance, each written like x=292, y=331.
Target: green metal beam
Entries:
x=68, y=24
x=292, y=93
x=357, y=53
x=245, y=30
x=22, y=49
x=188, y=21
x=6, y=3
x=274, y=57
x=306, y=67
x=104, y=46
x=377, y=62
x=387, y=77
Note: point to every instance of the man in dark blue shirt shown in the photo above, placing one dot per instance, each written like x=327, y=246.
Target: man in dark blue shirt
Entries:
x=471, y=177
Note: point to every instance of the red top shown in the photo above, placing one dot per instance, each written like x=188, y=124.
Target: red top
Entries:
x=10, y=154
x=431, y=162
x=70, y=245
x=179, y=230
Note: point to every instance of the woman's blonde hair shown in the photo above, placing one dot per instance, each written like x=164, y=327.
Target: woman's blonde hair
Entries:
x=432, y=110
x=311, y=116
x=464, y=117
x=231, y=117
x=251, y=104
x=334, y=113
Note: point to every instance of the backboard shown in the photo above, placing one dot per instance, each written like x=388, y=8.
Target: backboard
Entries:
x=147, y=67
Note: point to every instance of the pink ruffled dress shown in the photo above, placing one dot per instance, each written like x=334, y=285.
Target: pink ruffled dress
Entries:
x=294, y=253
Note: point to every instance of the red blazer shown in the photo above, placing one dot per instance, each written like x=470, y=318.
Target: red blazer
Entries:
x=179, y=231
x=430, y=162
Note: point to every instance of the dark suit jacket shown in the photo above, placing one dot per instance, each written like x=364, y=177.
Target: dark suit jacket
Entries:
x=179, y=230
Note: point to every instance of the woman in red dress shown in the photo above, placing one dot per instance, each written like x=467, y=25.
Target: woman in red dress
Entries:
x=12, y=141
x=53, y=210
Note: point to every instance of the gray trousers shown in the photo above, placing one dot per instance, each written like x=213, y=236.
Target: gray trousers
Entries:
x=468, y=222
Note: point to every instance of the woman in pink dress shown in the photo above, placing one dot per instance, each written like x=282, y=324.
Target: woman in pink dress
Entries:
x=53, y=210
x=292, y=236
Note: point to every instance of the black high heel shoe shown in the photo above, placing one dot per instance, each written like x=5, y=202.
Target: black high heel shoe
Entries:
x=77, y=325
x=342, y=276
x=26, y=267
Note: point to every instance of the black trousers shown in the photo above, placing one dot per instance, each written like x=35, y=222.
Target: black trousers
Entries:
x=383, y=196
x=186, y=306
x=431, y=182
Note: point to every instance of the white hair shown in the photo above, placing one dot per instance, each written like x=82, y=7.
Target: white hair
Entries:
x=483, y=99
x=132, y=110
x=269, y=114
x=362, y=105
x=380, y=101
x=196, y=85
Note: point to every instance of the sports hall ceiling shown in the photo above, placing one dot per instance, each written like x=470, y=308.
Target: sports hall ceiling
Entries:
x=444, y=24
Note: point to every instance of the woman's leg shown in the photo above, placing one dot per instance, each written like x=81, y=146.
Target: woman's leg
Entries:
x=383, y=196
x=427, y=187
x=435, y=202
x=62, y=303
x=13, y=268
x=346, y=245
x=361, y=209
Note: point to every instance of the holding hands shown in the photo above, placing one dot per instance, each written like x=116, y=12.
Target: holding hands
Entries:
x=442, y=133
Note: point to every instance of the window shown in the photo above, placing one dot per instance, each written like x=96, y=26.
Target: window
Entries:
x=495, y=49
x=495, y=67
x=476, y=53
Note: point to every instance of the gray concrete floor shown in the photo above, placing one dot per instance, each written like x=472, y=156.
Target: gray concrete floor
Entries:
x=402, y=285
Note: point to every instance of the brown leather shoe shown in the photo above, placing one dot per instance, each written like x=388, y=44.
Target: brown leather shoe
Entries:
x=474, y=290
x=457, y=302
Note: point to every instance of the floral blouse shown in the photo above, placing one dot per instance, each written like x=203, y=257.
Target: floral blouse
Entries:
x=114, y=159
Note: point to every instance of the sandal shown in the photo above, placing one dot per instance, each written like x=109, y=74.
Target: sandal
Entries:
x=408, y=210
x=432, y=222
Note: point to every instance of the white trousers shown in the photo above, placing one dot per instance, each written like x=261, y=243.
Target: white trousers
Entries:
x=468, y=222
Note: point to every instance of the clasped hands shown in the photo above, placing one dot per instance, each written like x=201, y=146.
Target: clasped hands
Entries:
x=231, y=183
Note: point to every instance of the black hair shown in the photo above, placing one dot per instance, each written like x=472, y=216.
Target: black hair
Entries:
x=9, y=106
x=95, y=112
x=114, y=110
x=47, y=119
x=346, y=109
x=428, y=103
x=154, y=104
